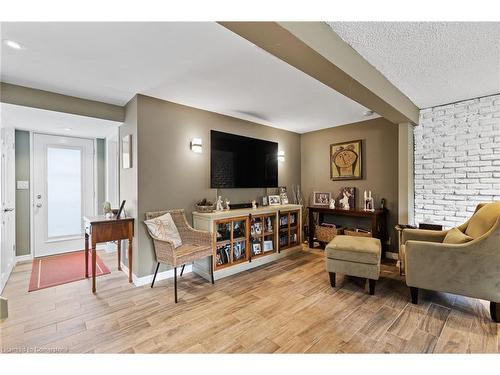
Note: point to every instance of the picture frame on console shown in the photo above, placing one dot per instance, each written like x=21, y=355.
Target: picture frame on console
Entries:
x=274, y=200
x=321, y=198
x=346, y=198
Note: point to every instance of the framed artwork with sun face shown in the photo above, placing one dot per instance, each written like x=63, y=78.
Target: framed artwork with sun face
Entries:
x=345, y=161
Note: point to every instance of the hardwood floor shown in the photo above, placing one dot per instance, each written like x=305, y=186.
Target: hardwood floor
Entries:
x=285, y=306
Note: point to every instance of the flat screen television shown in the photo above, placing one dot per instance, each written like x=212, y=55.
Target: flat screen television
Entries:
x=242, y=162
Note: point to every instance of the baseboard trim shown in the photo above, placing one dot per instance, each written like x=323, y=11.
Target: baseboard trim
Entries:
x=145, y=280
x=24, y=258
x=391, y=255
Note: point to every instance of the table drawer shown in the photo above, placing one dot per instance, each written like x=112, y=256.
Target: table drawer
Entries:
x=104, y=232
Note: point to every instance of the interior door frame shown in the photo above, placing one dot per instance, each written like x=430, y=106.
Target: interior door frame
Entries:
x=4, y=277
x=32, y=175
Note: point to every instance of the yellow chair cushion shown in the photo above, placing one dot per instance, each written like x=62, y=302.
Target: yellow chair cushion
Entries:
x=455, y=236
x=483, y=220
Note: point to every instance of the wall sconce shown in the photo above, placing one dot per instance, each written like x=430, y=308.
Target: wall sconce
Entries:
x=281, y=156
x=196, y=145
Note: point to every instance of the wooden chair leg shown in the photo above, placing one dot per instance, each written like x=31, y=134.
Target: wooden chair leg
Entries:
x=371, y=285
x=212, y=268
x=495, y=311
x=182, y=269
x=332, y=279
x=154, y=277
x=414, y=295
x=175, y=283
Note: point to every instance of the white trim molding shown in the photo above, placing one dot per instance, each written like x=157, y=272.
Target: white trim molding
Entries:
x=145, y=280
x=24, y=258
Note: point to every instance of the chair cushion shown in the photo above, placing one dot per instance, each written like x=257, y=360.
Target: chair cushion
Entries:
x=483, y=220
x=354, y=249
x=188, y=253
x=455, y=236
x=163, y=227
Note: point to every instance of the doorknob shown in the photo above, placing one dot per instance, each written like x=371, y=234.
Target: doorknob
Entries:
x=39, y=205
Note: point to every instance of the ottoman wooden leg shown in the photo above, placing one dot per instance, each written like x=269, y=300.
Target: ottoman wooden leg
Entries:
x=414, y=295
x=332, y=279
x=495, y=311
x=371, y=285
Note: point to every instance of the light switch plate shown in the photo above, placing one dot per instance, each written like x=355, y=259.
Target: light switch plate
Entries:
x=23, y=185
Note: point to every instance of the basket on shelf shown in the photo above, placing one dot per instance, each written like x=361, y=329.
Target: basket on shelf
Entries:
x=357, y=233
x=204, y=209
x=325, y=234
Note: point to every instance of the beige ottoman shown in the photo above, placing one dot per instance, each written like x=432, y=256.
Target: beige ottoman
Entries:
x=354, y=256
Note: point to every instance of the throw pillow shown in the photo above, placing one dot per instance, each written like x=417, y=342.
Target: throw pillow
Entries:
x=455, y=236
x=163, y=227
x=483, y=220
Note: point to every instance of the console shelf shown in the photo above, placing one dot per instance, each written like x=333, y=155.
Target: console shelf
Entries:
x=247, y=238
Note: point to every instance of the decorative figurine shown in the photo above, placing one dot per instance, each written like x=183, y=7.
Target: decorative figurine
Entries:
x=332, y=203
x=368, y=205
x=344, y=202
x=269, y=225
x=106, y=207
x=218, y=204
x=254, y=205
x=227, y=203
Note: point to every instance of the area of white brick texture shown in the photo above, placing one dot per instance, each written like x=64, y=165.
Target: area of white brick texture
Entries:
x=457, y=160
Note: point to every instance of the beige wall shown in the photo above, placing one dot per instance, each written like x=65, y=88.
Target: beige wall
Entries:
x=171, y=176
x=380, y=163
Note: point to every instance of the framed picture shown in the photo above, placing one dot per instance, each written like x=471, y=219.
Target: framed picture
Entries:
x=268, y=246
x=321, y=198
x=346, y=161
x=274, y=200
x=346, y=198
x=256, y=248
x=264, y=200
x=127, y=151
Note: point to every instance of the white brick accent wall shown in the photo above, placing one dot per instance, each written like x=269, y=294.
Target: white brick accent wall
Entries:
x=457, y=160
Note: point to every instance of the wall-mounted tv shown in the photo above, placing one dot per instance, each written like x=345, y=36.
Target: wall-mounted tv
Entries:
x=242, y=162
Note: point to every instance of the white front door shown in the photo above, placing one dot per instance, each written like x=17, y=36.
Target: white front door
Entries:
x=7, y=214
x=63, y=192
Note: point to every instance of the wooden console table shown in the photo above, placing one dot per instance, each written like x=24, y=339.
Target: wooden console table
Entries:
x=378, y=221
x=100, y=229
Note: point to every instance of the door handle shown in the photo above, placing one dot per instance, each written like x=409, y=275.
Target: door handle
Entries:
x=39, y=205
x=8, y=209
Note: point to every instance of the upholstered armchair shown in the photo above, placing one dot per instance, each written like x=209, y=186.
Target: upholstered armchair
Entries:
x=196, y=244
x=464, y=260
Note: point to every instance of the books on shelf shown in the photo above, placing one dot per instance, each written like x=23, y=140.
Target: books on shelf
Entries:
x=238, y=250
x=223, y=254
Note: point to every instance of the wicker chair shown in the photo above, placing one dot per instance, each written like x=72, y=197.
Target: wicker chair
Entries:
x=196, y=244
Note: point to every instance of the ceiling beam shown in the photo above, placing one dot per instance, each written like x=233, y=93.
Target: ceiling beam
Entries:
x=315, y=49
x=28, y=97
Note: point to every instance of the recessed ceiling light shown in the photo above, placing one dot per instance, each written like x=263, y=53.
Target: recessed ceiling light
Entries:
x=368, y=113
x=67, y=129
x=13, y=44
